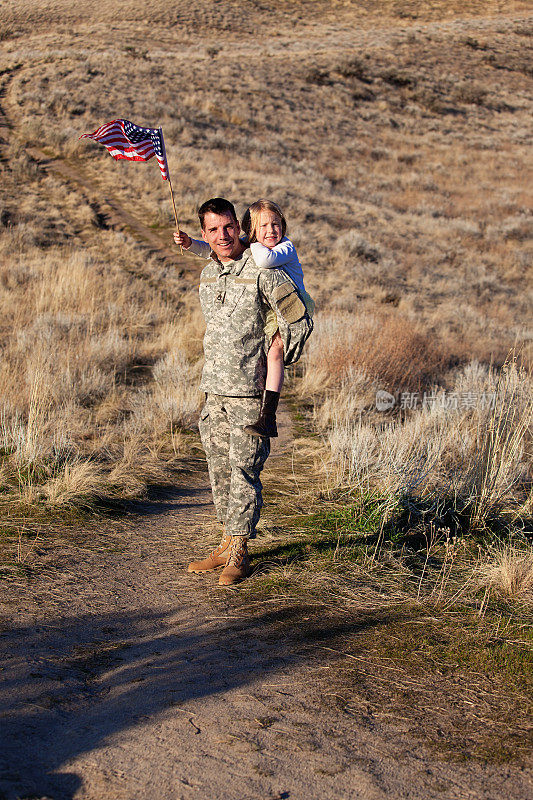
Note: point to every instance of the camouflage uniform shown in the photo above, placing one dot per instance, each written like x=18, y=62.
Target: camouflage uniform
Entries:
x=235, y=298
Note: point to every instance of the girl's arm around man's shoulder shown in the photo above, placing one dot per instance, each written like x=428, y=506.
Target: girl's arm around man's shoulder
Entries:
x=280, y=254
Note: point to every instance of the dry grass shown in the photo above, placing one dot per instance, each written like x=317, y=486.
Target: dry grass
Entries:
x=91, y=397
x=410, y=186
x=381, y=347
x=392, y=134
x=507, y=570
x=470, y=446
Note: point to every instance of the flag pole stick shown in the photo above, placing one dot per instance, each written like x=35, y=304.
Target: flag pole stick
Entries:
x=170, y=186
x=173, y=203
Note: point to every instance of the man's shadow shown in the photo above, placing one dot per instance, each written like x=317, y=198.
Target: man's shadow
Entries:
x=72, y=683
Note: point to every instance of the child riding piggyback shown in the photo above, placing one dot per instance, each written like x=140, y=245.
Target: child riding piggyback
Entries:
x=264, y=227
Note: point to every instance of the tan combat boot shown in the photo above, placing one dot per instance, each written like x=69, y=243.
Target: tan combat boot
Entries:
x=238, y=564
x=214, y=560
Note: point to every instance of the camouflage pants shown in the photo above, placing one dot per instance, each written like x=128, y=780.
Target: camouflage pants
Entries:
x=234, y=459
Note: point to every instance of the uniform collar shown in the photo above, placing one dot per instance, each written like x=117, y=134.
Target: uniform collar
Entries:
x=233, y=267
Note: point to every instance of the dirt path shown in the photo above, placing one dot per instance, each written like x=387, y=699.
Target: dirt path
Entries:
x=110, y=211
x=124, y=677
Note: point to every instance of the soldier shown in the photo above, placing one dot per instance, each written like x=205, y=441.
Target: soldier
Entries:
x=235, y=295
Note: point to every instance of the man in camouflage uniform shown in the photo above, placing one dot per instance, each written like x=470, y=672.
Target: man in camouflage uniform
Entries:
x=235, y=295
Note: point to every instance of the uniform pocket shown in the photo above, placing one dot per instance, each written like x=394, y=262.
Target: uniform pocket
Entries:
x=234, y=298
x=243, y=295
x=288, y=302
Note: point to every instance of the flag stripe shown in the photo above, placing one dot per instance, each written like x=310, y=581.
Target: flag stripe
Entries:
x=146, y=150
x=118, y=154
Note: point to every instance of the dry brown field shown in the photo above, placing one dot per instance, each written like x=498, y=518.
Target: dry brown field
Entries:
x=395, y=135
x=397, y=138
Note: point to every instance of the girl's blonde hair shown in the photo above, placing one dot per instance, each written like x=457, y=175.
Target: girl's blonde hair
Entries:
x=250, y=220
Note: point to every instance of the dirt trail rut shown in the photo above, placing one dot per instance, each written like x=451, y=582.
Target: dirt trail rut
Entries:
x=111, y=210
x=108, y=210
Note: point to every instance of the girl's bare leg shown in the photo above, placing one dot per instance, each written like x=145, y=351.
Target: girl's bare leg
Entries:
x=275, y=368
x=265, y=426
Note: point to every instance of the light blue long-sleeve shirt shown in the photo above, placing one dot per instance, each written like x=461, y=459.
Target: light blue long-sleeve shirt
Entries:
x=282, y=256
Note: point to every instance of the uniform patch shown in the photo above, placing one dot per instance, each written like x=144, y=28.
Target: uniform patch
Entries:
x=288, y=302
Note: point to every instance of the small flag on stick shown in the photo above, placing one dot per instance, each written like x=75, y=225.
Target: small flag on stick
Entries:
x=123, y=139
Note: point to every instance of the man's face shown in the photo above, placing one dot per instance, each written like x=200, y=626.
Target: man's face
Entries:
x=221, y=232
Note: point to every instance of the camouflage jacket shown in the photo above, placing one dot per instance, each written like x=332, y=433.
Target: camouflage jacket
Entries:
x=235, y=298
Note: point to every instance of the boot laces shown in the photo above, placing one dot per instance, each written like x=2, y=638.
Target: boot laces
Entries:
x=237, y=552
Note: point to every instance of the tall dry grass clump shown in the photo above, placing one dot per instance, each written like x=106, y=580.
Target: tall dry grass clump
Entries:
x=506, y=570
x=349, y=356
x=99, y=378
x=500, y=464
x=470, y=446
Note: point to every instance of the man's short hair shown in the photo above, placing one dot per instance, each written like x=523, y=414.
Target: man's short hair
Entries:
x=217, y=205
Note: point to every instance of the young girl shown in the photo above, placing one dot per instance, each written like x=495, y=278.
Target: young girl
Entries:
x=264, y=226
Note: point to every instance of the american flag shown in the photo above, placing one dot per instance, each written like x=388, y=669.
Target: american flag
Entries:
x=123, y=139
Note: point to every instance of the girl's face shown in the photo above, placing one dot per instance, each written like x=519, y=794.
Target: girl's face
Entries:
x=269, y=231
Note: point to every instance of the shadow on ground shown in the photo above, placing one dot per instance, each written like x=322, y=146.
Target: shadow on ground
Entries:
x=73, y=683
